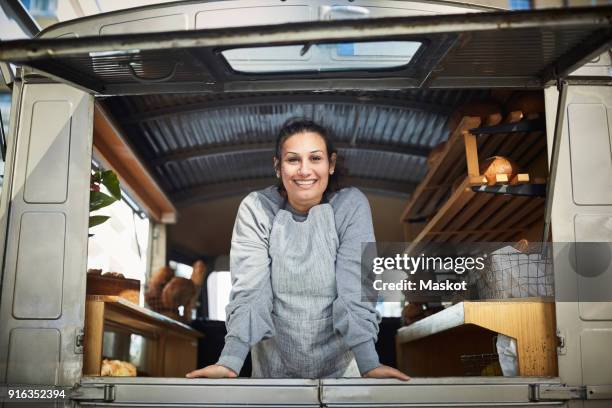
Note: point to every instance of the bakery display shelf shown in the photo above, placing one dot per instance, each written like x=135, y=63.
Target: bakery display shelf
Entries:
x=528, y=125
x=528, y=190
x=463, y=151
x=174, y=344
x=434, y=345
x=131, y=315
x=468, y=216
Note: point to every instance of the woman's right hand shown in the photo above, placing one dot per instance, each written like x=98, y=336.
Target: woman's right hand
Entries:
x=212, y=371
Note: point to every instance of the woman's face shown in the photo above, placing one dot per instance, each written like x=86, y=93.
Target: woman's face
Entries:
x=305, y=168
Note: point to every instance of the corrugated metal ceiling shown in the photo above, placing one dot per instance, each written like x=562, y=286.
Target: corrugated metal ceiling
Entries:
x=192, y=142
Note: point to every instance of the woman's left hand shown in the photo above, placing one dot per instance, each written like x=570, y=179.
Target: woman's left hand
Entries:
x=384, y=371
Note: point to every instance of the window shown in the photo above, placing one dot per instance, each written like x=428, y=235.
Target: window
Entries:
x=219, y=288
x=41, y=8
x=181, y=270
x=520, y=4
x=322, y=57
x=120, y=244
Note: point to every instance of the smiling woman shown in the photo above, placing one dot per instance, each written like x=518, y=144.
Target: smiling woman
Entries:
x=296, y=274
x=305, y=161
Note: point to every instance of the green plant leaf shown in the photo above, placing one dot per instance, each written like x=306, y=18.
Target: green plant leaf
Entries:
x=111, y=182
x=96, y=177
x=99, y=200
x=97, y=220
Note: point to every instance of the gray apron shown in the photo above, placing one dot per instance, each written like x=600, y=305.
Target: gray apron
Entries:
x=303, y=278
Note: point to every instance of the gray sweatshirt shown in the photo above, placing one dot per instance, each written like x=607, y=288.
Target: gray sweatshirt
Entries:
x=248, y=314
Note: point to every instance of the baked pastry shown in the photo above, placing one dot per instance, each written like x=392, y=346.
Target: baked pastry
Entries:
x=178, y=292
x=498, y=165
x=478, y=109
x=199, y=273
x=529, y=103
x=153, y=295
x=117, y=275
x=117, y=368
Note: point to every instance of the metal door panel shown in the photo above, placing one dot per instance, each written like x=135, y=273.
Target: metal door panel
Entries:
x=590, y=121
x=227, y=13
x=39, y=274
x=583, y=316
x=146, y=25
x=596, y=366
x=28, y=345
x=43, y=286
x=238, y=392
x=260, y=15
x=593, y=287
x=430, y=392
x=47, y=161
x=458, y=50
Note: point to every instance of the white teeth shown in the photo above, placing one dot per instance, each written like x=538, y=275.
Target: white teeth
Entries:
x=304, y=182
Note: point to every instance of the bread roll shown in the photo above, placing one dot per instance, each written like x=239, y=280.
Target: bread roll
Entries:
x=156, y=285
x=528, y=103
x=522, y=246
x=117, y=275
x=117, y=368
x=498, y=165
x=478, y=109
x=178, y=292
x=199, y=274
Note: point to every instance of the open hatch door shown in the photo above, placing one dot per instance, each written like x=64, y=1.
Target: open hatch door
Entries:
x=500, y=49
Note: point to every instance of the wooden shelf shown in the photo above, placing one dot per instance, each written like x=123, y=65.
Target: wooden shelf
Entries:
x=444, y=207
x=468, y=216
x=433, y=345
x=174, y=351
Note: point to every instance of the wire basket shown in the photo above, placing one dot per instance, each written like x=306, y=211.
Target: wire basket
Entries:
x=509, y=273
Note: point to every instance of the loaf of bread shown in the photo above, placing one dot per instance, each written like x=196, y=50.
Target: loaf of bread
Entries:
x=117, y=368
x=478, y=109
x=178, y=292
x=117, y=275
x=153, y=295
x=166, y=292
x=498, y=165
x=529, y=103
x=199, y=273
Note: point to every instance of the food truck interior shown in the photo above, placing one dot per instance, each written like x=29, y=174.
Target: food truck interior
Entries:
x=449, y=126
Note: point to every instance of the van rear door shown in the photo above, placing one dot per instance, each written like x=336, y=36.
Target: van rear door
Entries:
x=501, y=49
x=582, y=244
x=532, y=49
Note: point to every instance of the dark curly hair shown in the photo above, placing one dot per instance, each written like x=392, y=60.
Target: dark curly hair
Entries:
x=300, y=125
